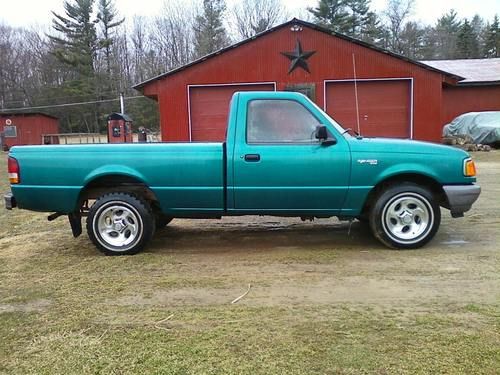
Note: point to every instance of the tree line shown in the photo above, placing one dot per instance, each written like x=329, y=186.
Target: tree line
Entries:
x=90, y=53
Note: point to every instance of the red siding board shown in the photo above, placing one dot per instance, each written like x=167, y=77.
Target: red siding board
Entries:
x=30, y=128
x=458, y=100
x=261, y=61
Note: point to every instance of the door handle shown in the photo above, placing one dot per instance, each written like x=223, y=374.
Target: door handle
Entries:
x=252, y=157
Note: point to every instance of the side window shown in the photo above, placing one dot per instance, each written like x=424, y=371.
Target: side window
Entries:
x=280, y=121
x=10, y=131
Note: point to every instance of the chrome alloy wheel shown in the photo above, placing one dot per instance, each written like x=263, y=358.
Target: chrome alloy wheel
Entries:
x=407, y=217
x=119, y=226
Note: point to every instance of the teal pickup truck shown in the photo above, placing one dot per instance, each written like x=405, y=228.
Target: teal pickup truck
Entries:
x=283, y=156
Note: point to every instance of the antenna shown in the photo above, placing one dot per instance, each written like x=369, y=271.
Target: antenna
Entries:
x=356, y=92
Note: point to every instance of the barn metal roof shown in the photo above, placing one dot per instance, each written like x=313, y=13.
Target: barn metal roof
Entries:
x=475, y=71
x=296, y=21
x=119, y=116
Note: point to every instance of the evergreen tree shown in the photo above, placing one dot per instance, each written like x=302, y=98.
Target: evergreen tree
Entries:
x=348, y=17
x=467, y=41
x=372, y=31
x=107, y=16
x=445, y=36
x=364, y=24
x=209, y=32
x=412, y=41
x=492, y=39
x=77, y=43
x=332, y=14
x=358, y=15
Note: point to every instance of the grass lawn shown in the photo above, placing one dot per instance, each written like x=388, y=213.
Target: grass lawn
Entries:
x=321, y=300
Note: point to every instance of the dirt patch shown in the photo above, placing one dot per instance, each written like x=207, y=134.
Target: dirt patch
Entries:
x=31, y=306
x=357, y=289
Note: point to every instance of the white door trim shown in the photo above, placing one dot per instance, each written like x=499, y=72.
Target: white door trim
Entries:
x=377, y=79
x=217, y=85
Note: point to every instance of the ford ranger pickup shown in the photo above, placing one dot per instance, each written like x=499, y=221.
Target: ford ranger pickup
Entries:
x=282, y=156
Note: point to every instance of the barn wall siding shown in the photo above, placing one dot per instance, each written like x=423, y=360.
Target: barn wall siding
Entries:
x=261, y=61
x=463, y=99
x=30, y=128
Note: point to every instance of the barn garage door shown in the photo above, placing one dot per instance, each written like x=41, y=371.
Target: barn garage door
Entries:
x=384, y=106
x=209, y=107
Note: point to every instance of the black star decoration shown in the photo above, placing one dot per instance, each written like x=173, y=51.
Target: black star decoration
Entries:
x=298, y=58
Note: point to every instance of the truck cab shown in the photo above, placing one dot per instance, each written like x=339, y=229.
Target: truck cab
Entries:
x=277, y=162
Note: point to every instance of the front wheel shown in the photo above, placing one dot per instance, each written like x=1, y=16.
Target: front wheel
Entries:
x=120, y=224
x=405, y=216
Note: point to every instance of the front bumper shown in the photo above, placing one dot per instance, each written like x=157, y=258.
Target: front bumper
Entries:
x=10, y=201
x=461, y=197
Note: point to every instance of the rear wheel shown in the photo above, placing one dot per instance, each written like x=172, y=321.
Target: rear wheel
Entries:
x=406, y=216
x=120, y=224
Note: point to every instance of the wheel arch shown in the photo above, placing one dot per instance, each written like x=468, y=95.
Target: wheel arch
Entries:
x=102, y=183
x=419, y=179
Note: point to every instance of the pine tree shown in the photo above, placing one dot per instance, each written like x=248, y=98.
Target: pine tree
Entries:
x=209, y=32
x=332, y=14
x=372, y=31
x=467, y=41
x=492, y=39
x=412, y=41
x=107, y=16
x=445, y=36
x=349, y=17
x=477, y=24
x=77, y=43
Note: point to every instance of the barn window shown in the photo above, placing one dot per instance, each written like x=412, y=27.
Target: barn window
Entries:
x=308, y=89
x=280, y=121
x=10, y=131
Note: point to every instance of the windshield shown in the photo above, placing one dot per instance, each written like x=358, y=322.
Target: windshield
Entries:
x=335, y=124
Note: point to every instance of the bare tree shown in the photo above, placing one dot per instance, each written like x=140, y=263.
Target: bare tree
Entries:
x=251, y=17
x=398, y=13
x=172, y=35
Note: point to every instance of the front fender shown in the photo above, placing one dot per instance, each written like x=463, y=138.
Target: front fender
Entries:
x=405, y=168
x=365, y=176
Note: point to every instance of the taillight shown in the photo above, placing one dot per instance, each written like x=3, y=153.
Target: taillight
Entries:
x=13, y=170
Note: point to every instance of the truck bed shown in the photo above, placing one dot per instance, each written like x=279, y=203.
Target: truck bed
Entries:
x=184, y=176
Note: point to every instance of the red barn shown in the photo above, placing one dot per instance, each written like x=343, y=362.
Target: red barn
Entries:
x=479, y=91
x=396, y=96
x=26, y=128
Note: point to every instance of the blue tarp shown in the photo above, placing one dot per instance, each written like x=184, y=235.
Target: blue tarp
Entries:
x=482, y=127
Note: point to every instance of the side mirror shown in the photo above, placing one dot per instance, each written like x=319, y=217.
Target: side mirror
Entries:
x=322, y=135
x=321, y=132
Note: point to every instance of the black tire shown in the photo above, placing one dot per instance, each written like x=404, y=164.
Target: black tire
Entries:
x=405, y=216
x=162, y=221
x=120, y=224
x=363, y=219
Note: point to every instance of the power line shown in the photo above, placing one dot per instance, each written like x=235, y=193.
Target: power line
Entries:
x=104, y=93
x=68, y=104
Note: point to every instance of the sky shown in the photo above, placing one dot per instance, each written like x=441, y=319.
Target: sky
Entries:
x=37, y=12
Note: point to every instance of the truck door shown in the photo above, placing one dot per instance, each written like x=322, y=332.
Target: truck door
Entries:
x=280, y=167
